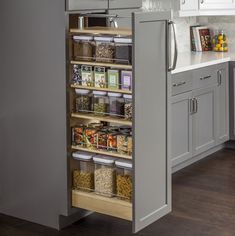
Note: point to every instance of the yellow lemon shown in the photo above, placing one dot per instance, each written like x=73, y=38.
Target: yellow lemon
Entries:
x=221, y=41
x=215, y=49
x=218, y=45
x=226, y=49
x=221, y=37
x=221, y=49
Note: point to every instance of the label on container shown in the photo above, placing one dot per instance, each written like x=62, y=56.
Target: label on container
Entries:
x=100, y=77
x=126, y=80
x=87, y=76
x=113, y=79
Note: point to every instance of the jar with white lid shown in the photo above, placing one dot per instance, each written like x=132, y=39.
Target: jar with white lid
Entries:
x=128, y=106
x=100, y=103
x=123, y=50
x=124, y=181
x=83, y=175
x=116, y=104
x=83, y=100
x=104, y=49
x=105, y=175
x=83, y=48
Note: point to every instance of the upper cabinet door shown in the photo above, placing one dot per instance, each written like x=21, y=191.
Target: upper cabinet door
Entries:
x=118, y=4
x=78, y=5
x=152, y=166
x=216, y=4
x=188, y=5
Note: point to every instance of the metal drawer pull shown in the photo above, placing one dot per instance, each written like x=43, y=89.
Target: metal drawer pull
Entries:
x=191, y=105
x=206, y=77
x=195, y=105
x=219, y=77
x=179, y=84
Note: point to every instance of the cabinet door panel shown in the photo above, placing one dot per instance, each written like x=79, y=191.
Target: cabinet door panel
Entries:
x=181, y=127
x=73, y=5
x=217, y=4
x=188, y=5
x=152, y=167
x=118, y=4
x=204, y=120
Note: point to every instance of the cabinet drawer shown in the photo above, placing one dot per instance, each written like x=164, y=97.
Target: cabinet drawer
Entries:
x=204, y=77
x=78, y=5
x=182, y=82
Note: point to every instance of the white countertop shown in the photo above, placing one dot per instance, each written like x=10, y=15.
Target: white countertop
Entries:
x=195, y=60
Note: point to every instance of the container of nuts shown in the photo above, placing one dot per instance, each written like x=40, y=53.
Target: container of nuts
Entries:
x=124, y=180
x=105, y=175
x=83, y=175
x=100, y=103
x=83, y=100
x=128, y=106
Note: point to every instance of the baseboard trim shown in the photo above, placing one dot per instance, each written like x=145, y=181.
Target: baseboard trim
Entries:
x=198, y=158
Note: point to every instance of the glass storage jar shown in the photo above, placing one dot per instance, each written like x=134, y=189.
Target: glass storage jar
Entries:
x=100, y=103
x=112, y=141
x=116, y=104
x=83, y=100
x=128, y=106
x=83, y=176
x=102, y=138
x=90, y=137
x=104, y=49
x=78, y=136
x=220, y=41
x=104, y=176
x=83, y=48
x=124, y=180
x=123, y=50
x=122, y=143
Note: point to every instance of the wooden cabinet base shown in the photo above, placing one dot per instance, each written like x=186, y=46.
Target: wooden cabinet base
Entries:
x=108, y=206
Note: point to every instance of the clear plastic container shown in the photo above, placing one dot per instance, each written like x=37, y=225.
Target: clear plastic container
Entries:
x=116, y=104
x=105, y=176
x=100, y=103
x=83, y=100
x=124, y=180
x=78, y=136
x=104, y=49
x=123, y=50
x=83, y=176
x=220, y=41
x=83, y=48
x=128, y=106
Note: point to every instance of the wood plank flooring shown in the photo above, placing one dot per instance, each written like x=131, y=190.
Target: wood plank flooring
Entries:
x=203, y=205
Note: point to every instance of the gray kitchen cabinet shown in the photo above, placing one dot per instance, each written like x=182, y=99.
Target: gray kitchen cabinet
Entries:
x=119, y=4
x=188, y=5
x=79, y=5
x=232, y=100
x=204, y=119
x=222, y=104
x=181, y=128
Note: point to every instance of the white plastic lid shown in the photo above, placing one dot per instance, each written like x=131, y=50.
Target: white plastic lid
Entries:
x=82, y=156
x=104, y=160
x=105, y=39
x=99, y=93
x=82, y=38
x=127, y=96
x=124, y=164
x=81, y=91
x=122, y=40
x=118, y=95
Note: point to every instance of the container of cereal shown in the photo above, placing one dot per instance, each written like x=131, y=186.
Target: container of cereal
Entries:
x=105, y=175
x=100, y=103
x=83, y=175
x=128, y=106
x=83, y=100
x=124, y=180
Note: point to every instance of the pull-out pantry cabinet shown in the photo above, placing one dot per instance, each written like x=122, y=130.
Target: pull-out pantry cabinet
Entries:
x=151, y=186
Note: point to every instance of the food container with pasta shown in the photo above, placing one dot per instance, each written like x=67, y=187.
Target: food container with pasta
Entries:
x=105, y=175
x=83, y=175
x=124, y=182
x=83, y=100
x=128, y=106
x=100, y=103
x=78, y=136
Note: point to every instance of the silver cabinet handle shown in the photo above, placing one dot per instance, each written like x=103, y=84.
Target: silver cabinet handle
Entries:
x=183, y=2
x=191, y=105
x=202, y=1
x=206, y=77
x=179, y=84
x=219, y=74
x=195, y=105
x=173, y=66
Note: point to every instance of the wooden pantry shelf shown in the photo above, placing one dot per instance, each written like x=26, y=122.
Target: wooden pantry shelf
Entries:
x=96, y=203
x=113, y=154
x=75, y=86
x=101, y=118
x=118, y=66
x=102, y=31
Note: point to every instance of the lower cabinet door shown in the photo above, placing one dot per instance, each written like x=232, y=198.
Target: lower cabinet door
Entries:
x=119, y=4
x=181, y=128
x=204, y=120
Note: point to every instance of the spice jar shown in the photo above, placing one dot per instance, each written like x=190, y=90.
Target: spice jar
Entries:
x=102, y=138
x=105, y=49
x=122, y=143
x=124, y=180
x=220, y=42
x=128, y=106
x=116, y=104
x=126, y=80
x=90, y=137
x=123, y=50
x=78, y=136
x=83, y=176
x=100, y=103
x=83, y=48
x=112, y=141
x=83, y=100
x=104, y=176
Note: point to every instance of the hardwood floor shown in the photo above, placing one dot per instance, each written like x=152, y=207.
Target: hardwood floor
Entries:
x=203, y=205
